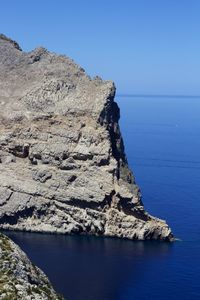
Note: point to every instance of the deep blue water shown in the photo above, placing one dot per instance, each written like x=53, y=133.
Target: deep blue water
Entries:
x=162, y=143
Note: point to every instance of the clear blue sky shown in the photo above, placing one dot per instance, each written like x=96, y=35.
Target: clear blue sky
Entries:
x=145, y=46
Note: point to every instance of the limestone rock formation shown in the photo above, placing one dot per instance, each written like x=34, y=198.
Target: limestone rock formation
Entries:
x=62, y=162
x=19, y=278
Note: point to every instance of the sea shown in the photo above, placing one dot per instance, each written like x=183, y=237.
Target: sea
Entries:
x=162, y=142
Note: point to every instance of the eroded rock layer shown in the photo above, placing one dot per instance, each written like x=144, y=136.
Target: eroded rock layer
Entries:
x=62, y=162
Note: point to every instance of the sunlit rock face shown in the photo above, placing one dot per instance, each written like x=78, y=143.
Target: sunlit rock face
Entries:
x=62, y=162
x=19, y=278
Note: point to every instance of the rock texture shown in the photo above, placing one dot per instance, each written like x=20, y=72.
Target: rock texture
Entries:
x=62, y=162
x=19, y=278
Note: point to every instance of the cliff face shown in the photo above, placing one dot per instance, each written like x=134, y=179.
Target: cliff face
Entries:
x=19, y=278
x=62, y=162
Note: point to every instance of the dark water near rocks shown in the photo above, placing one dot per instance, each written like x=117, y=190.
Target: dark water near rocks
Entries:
x=162, y=142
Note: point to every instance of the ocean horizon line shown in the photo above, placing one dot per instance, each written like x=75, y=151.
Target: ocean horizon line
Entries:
x=157, y=95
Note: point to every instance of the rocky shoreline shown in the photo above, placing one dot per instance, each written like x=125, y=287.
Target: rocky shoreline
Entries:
x=19, y=278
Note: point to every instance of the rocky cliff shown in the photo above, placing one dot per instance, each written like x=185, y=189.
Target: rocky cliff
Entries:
x=19, y=278
x=62, y=162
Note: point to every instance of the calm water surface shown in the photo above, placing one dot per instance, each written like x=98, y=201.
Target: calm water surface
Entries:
x=162, y=143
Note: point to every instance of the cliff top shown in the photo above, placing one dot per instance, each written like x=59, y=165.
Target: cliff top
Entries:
x=8, y=40
x=44, y=83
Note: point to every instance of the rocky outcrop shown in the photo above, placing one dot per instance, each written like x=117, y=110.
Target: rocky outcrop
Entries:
x=19, y=278
x=62, y=162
